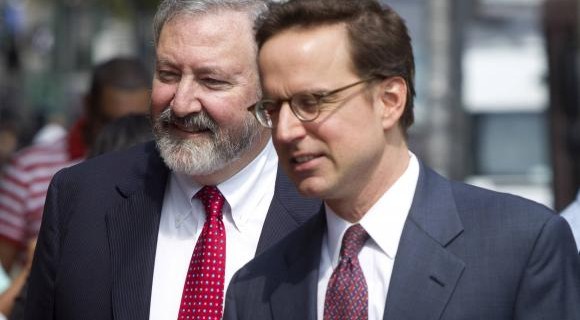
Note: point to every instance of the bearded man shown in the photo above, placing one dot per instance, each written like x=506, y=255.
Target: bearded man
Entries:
x=150, y=232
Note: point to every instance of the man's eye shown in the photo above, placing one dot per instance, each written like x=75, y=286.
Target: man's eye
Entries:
x=167, y=76
x=306, y=101
x=215, y=84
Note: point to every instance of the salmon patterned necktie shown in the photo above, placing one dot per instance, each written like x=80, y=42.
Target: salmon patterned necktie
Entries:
x=347, y=294
x=203, y=290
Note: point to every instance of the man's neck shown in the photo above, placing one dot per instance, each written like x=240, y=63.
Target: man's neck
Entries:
x=353, y=206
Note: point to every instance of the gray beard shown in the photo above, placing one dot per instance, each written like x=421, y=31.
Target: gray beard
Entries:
x=208, y=154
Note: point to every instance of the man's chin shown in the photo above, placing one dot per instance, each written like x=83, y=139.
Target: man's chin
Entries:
x=190, y=160
x=311, y=187
x=183, y=163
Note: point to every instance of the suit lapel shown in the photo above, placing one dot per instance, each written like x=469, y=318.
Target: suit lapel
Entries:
x=132, y=227
x=287, y=211
x=425, y=273
x=295, y=297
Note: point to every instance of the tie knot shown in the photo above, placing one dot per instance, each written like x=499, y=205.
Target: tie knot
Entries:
x=212, y=200
x=353, y=241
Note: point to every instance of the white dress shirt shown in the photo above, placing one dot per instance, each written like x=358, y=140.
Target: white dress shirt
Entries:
x=248, y=196
x=384, y=223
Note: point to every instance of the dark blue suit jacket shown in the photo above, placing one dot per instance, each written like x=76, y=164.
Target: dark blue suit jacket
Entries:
x=96, y=248
x=465, y=253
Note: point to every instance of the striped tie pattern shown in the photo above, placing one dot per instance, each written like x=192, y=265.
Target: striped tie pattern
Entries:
x=203, y=290
x=347, y=293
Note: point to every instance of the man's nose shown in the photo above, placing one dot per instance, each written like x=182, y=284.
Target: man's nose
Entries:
x=186, y=99
x=288, y=127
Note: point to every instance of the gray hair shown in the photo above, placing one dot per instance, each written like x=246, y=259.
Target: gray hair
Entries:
x=169, y=9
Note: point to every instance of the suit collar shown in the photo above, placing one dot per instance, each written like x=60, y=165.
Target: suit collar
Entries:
x=147, y=167
x=287, y=211
x=425, y=272
x=132, y=227
x=434, y=209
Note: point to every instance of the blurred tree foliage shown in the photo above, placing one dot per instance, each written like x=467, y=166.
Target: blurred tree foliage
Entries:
x=120, y=8
x=126, y=8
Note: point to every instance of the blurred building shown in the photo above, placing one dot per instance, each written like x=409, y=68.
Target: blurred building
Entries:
x=506, y=94
x=483, y=97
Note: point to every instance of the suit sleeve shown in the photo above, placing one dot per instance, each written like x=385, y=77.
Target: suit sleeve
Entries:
x=40, y=300
x=550, y=287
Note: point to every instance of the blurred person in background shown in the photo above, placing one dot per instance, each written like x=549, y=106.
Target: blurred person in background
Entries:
x=8, y=142
x=122, y=133
x=118, y=87
x=12, y=297
x=137, y=221
x=50, y=132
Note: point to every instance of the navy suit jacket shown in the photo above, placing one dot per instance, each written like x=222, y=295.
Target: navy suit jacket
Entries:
x=465, y=253
x=96, y=248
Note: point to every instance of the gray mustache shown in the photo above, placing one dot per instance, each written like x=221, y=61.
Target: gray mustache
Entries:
x=197, y=121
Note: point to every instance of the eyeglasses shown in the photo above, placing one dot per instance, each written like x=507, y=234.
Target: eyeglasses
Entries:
x=305, y=106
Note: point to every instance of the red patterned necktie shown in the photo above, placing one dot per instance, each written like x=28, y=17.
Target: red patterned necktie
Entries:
x=203, y=290
x=347, y=294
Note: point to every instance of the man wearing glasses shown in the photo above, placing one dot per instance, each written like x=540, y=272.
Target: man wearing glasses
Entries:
x=394, y=239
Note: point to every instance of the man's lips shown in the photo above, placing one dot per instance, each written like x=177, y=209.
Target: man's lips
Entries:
x=304, y=158
x=189, y=129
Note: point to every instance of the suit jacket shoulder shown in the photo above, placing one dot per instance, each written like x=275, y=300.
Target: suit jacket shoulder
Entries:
x=132, y=166
x=467, y=252
x=99, y=231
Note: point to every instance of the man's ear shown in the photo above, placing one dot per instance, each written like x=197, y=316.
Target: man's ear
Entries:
x=393, y=98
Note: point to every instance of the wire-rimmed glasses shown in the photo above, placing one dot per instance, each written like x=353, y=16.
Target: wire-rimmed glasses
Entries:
x=305, y=106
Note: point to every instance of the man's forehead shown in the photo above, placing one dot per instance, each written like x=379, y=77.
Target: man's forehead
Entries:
x=304, y=42
x=315, y=50
x=212, y=22
x=338, y=29
x=205, y=42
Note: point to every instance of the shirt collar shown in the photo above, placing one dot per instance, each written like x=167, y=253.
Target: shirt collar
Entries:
x=239, y=190
x=385, y=220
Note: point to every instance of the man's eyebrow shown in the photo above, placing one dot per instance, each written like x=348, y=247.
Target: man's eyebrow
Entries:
x=211, y=70
x=163, y=62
